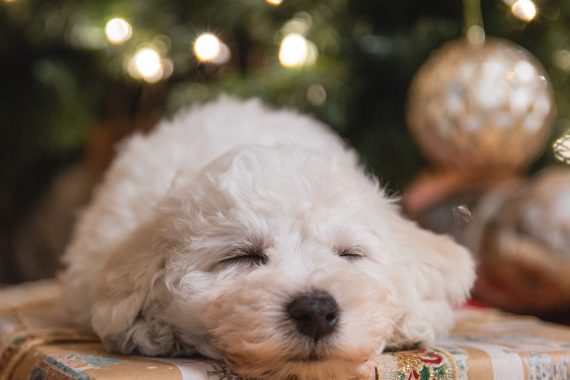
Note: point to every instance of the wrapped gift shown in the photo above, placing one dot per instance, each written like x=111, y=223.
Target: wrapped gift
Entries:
x=37, y=341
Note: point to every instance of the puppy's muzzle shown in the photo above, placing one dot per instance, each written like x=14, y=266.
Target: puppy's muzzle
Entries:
x=315, y=314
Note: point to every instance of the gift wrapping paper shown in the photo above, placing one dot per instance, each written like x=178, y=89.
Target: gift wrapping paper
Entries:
x=38, y=342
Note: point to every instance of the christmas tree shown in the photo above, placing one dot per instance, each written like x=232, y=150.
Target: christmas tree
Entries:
x=76, y=73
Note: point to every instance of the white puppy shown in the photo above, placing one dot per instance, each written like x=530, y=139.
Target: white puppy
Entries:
x=253, y=236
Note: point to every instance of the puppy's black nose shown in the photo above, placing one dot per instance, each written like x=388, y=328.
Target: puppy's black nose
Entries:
x=315, y=314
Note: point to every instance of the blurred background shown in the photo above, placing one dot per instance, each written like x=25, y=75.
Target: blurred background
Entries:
x=462, y=110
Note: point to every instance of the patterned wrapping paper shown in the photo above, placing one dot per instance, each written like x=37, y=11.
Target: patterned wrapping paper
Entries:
x=38, y=342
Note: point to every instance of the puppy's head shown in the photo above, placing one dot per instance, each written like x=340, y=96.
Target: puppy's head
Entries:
x=283, y=262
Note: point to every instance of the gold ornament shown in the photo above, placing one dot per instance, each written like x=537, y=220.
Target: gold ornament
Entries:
x=481, y=106
x=521, y=236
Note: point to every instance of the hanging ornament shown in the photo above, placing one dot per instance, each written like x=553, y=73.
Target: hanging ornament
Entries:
x=481, y=106
x=520, y=235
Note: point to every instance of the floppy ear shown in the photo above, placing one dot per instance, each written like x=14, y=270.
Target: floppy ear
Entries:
x=435, y=274
x=127, y=301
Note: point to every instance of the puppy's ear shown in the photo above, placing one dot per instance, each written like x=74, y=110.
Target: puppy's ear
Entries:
x=126, y=301
x=435, y=274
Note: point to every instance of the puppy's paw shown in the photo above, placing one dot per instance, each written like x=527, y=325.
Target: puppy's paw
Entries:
x=367, y=371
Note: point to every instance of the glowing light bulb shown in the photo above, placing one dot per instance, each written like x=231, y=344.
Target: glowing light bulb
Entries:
x=274, y=2
x=207, y=47
x=524, y=10
x=146, y=64
x=118, y=31
x=294, y=50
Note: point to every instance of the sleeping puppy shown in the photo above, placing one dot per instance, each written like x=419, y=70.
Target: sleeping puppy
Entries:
x=252, y=236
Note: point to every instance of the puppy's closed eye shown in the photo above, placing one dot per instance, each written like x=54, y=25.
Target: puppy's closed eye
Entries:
x=349, y=253
x=249, y=255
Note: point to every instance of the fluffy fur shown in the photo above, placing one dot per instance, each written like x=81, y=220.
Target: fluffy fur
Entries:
x=146, y=266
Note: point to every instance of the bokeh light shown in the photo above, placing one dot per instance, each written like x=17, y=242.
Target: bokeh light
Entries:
x=299, y=24
x=146, y=64
x=562, y=59
x=524, y=10
x=118, y=31
x=295, y=50
x=207, y=47
x=223, y=55
x=316, y=94
x=274, y=2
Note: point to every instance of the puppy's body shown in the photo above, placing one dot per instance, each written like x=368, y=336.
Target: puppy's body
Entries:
x=214, y=232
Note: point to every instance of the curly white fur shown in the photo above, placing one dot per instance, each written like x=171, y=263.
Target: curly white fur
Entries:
x=146, y=266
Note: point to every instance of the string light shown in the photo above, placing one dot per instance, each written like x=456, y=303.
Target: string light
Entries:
x=207, y=47
x=524, y=10
x=146, y=64
x=295, y=50
x=118, y=31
